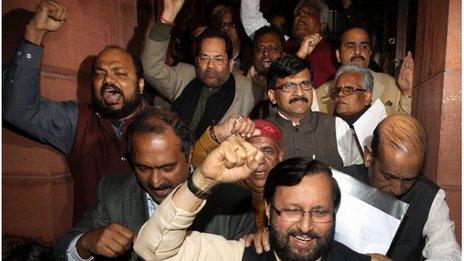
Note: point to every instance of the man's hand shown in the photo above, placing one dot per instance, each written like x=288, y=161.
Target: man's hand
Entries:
x=260, y=241
x=235, y=159
x=109, y=241
x=379, y=257
x=171, y=9
x=406, y=76
x=49, y=17
x=236, y=125
x=308, y=45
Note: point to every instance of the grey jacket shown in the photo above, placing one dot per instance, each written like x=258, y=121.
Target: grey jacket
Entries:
x=171, y=81
x=120, y=199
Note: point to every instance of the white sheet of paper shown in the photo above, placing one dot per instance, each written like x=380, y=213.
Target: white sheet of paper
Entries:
x=359, y=225
x=365, y=125
x=363, y=227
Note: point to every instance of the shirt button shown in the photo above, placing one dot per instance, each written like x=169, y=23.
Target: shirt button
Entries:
x=19, y=53
x=28, y=56
x=123, y=158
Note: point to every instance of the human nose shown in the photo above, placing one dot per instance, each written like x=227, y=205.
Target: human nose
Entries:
x=357, y=49
x=155, y=178
x=298, y=90
x=396, y=187
x=109, y=79
x=306, y=224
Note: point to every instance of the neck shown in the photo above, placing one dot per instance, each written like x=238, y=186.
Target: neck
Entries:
x=294, y=119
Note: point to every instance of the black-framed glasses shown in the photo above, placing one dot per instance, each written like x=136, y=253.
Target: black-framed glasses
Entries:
x=318, y=215
x=291, y=86
x=219, y=60
x=347, y=90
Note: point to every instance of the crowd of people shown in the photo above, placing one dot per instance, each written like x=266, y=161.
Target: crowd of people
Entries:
x=232, y=160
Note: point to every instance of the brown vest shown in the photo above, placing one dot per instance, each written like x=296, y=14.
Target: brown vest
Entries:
x=96, y=152
x=315, y=138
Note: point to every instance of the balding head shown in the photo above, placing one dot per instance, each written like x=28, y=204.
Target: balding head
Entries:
x=398, y=149
x=402, y=133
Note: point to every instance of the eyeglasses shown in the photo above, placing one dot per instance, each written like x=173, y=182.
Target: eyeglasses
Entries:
x=291, y=86
x=219, y=60
x=318, y=215
x=347, y=90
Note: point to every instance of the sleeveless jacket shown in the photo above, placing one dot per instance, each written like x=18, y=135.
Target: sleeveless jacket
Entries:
x=315, y=137
x=97, y=152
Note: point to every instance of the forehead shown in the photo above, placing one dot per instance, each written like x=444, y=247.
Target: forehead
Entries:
x=114, y=55
x=313, y=190
x=301, y=76
x=268, y=38
x=355, y=35
x=308, y=9
x=157, y=149
x=350, y=78
x=213, y=45
x=398, y=164
x=261, y=142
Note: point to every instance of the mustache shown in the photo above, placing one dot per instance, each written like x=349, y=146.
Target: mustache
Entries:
x=297, y=232
x=303, y=99
x=110, y=87
x=161, y=187
x=357, y=57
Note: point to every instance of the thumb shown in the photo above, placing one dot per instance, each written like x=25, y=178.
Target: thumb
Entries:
x=255, y=133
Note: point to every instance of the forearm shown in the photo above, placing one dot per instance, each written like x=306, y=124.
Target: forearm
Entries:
x=162, y=235
x=167, y=80
x=252, y=18
x=203, y=147
x=48, y=121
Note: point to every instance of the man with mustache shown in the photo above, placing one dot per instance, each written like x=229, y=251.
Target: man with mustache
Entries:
x=89, y=134
x=310, y=21
x=393, y=163
x=355, y=47
x=203, y=95
x=301, y=199
x=306, y=133
x=160, y=146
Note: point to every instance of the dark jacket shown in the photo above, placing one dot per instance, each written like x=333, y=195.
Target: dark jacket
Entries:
x=120, y=199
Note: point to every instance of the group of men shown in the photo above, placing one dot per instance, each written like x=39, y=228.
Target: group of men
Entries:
x=133, y=163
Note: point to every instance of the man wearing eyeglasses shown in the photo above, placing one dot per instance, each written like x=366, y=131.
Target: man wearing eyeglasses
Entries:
x=301, y=199
x=306, y=133
x=352, y=94
x=204, y=94
x=356, y=47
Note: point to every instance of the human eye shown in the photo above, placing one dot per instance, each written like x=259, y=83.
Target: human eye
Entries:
x=320, y=212
x=365, y=46
x=268, y=151
x=142, y=168
x=205, y=58
x=168, y=168
x=120, y=72
x=306, y=84
x=260, y=49
x=292, y=212
x=219, y=59
x=288, y=86
x=350, y=46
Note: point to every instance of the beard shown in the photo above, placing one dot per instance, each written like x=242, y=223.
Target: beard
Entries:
x=130, y=105
x=280, y=244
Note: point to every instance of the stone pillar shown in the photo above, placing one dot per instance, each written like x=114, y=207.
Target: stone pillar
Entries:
x=437, y=95
x=37, y=186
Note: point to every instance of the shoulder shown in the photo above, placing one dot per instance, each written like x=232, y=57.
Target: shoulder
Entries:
x=383, y=78
x=241, y=81
x=118, y=182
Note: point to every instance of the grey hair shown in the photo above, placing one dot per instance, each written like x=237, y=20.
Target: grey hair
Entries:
x=368, y=79
x=321, y=6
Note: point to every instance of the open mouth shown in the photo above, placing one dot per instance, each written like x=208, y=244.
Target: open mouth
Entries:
x=266, y=63
x=111, y=94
